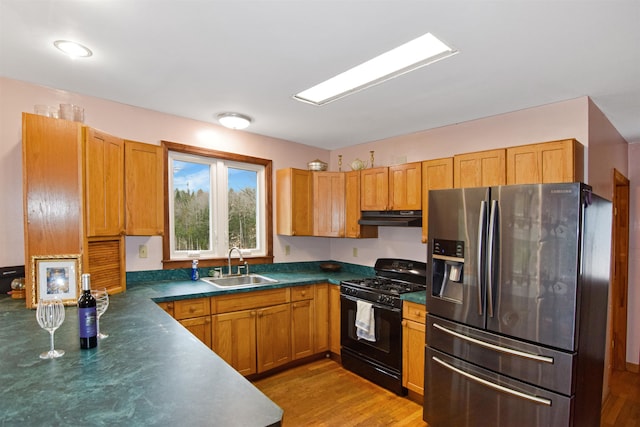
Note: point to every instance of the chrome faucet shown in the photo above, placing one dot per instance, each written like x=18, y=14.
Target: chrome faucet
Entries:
x=229, y=259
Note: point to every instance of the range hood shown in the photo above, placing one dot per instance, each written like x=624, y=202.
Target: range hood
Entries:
x=392, y=218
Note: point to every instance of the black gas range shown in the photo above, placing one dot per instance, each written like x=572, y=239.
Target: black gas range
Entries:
x=379, y=358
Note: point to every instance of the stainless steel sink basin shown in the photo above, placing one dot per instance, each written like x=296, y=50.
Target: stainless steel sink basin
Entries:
x=239, y=281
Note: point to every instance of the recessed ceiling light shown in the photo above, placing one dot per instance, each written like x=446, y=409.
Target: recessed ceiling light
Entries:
x=73, y=49
x=234, y=120
x=410, y=56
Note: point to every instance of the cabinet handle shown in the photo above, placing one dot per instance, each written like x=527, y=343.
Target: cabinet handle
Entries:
x=252, y=313
x=207, y=320
x=404, y=323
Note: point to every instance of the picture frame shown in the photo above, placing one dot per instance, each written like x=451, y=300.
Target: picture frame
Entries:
x=56, y=276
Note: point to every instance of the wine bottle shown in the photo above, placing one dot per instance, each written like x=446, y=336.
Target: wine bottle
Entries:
x=87, y=316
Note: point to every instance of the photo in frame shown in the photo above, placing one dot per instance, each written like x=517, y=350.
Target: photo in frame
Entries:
x=56, y=276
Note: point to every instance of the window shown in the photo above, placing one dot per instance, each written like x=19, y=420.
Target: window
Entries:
x=216, y=201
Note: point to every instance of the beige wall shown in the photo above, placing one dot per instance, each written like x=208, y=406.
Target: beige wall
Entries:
x=633, y=306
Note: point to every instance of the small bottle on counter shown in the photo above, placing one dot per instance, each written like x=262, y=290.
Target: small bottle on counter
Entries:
x=194, y=270
x=87, y=317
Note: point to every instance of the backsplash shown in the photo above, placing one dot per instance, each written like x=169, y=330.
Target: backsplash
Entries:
x=185, y=273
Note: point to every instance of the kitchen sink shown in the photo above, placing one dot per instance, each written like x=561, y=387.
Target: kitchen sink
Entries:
x=239, y=281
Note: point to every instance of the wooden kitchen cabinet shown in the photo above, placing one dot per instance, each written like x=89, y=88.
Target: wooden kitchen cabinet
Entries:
x=328, y=204
x=321, y=318
x=391, y=188
x=353, y=209
x=294, y=202
x=405, y=187
x=547, y=162
x=437, y=174
x=234, y=339
x=334, y=319
x=374, y=189
x=71, y=203
x=167, y=306
x=302, y=322
x=194, y=314
x=144, y=189
x=479, y=169
x=104, y=175
x=413, y=346
x=273, y=336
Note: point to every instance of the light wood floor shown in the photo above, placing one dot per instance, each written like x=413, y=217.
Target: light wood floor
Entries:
x=322, y=393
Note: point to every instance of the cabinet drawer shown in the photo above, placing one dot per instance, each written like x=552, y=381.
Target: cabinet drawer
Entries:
x=415, y=312
x=188, y=308
x=246, y=301
x=299, y=293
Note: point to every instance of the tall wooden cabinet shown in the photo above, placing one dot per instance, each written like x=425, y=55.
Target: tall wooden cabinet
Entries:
x=479, y=169
x=414, y=317
x=437, y=174
x=73, y=198
x=547, y=162
x=144, y=192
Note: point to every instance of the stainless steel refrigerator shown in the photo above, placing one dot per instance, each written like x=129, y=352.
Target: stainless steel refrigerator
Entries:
x=517, y=290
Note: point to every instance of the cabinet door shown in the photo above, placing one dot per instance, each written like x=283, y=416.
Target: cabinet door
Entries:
x=352, y=207
x=200, y=327
x=104, y=174
x=294, y=202
x=273, y=336
x=321, y=321
x=374, y=190
x=479, y=169
x=144, y=198
x=328, y=204
x=104, y=260
x=334, y=319
x=187, y=308
x=302, y=333
x=548, y=162
x=437, y=174
x=234, y=339
x=405, y=183
x=413, y=347
x=167, y=306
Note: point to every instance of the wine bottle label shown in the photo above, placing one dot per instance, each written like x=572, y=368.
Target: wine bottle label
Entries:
x=87, y=318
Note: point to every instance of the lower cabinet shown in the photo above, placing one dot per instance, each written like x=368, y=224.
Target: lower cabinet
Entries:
x=302, y=322
x=334, y=319
x=234, y=339
x=273, y=337
x=413, y=344
x=195, y=315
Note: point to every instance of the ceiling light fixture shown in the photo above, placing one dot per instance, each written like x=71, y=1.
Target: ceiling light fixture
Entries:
x=73, y=49
x=410, y=56
x=234, y=120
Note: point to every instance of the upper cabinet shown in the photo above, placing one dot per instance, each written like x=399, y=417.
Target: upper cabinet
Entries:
x=374, y=189
x=405, y=186
x=437, y=174
x=352, y=206
x=548, y=162
x=328, y=204
x=294, y=202
x=143, y=184
x=104, y=170
x=392, y=188
x=479, y=169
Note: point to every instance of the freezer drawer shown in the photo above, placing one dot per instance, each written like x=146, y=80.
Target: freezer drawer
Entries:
x=461, y=394
x=535, y=364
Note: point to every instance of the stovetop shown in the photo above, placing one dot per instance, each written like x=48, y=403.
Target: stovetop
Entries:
x=386, y=285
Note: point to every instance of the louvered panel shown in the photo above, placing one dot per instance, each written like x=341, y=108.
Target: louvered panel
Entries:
x=105, y=267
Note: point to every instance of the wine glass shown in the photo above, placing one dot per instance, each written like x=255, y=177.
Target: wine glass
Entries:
x=102, y=302
x=50, y=315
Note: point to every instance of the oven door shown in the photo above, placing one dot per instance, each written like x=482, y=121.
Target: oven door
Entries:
x=387, y=348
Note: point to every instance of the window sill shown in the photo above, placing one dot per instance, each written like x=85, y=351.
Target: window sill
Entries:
x=168, y=264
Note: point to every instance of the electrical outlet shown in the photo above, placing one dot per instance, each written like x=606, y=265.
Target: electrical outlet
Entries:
x=142, y=251
x=355, y=252
x=287, y=250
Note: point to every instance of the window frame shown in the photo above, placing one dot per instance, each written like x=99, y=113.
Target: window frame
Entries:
x=267, y=205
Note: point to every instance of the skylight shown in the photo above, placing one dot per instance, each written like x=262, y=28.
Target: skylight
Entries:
x=410, y=56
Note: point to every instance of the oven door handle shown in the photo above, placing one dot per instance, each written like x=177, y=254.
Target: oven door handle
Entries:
x=378, y=306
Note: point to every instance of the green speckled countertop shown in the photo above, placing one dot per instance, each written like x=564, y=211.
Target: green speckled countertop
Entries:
x=149, y=371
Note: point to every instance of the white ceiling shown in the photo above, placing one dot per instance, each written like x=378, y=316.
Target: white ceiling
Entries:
x=198, y=58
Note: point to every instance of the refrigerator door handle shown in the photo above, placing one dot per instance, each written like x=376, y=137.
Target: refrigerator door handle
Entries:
x=481, y=237
x=492, y=241
x=499, y=348
x=498, y=387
